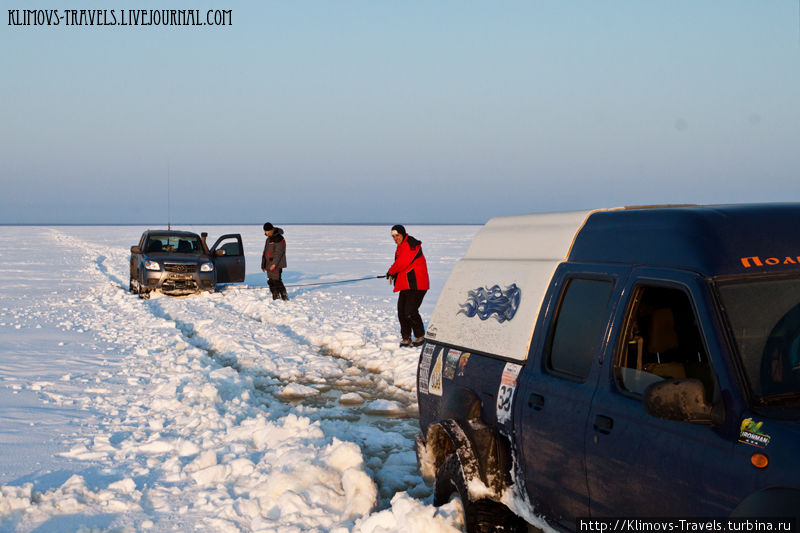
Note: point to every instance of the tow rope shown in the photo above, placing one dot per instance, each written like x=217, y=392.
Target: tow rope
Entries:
x=333, y=282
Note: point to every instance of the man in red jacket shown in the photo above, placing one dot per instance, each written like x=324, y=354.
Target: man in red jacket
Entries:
x=409, y=274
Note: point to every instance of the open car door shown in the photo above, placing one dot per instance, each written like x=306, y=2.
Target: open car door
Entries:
x=228, y=257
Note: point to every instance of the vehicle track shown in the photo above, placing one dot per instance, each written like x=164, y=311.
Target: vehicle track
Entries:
x=250, y=349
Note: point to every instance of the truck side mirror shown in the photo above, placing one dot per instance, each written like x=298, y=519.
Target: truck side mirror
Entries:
x=219, y=253
x=136, y=250
x=681, y=400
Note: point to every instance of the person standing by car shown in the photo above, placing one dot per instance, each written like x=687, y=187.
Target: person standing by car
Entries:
x=409, y=275
x=273, y=260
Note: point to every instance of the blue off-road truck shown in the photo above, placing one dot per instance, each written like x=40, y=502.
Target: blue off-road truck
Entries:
x=633, y=362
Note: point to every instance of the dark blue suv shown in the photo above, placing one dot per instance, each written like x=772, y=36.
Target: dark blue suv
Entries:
x=650, y=368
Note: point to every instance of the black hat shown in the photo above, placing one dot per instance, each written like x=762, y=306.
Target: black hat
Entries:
x=268, y=226
x=399, y=229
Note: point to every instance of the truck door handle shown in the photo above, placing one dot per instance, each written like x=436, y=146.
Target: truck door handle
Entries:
x=603, y=424
x=536, y=401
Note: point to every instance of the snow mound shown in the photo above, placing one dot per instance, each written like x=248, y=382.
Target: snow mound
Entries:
x=294, y=391
x=385, y=407
x=409, y=514
x=351, y=398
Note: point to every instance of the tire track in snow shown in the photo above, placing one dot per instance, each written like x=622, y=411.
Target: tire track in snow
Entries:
x=193, y=448
x=196, y=321
x=390, y=389
x=389, y=476
x=190, y=328
x=404, y=394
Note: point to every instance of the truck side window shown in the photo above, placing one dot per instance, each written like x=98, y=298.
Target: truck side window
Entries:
x=579, y=327
x=231, y=248
x=661, y=341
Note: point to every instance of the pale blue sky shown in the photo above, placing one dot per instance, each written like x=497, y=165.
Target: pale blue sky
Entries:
x=399, y=111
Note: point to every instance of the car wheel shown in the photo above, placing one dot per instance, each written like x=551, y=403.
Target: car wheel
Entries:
x=481, y=516
x=131, y=285
x=141, y=291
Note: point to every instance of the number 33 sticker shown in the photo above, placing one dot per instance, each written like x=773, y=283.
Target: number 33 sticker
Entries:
x=505, y=393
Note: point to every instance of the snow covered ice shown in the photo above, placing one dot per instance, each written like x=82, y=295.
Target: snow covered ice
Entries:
x=214, y=412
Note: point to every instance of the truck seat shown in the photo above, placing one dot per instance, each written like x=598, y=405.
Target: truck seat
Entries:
x=664, y=356
x=662, y=336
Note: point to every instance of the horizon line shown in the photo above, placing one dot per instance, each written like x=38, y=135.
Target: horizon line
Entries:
x=11, y=224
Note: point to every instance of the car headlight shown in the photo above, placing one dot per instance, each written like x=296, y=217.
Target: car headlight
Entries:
x=207, y=267
x=152, y=265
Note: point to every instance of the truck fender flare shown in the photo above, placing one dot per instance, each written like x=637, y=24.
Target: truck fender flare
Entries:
x=448, y=436
x=772, y=502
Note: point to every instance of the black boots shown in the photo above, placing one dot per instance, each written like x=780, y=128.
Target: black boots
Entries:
x=279, y=293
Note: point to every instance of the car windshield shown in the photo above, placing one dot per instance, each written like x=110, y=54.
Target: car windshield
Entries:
x=764, y=315
x=174, y=244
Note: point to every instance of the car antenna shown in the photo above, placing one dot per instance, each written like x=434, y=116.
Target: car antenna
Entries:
x=169, y=214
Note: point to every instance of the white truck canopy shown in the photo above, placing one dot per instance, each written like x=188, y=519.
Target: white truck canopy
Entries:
x=491, y=300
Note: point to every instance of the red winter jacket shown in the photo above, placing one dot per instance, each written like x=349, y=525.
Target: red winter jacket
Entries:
x=409, y=267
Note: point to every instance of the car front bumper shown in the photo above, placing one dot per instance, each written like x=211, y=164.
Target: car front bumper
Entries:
x=179, y=283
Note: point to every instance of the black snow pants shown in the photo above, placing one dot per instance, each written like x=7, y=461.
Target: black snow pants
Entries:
x=408, y=303
x=275, y=282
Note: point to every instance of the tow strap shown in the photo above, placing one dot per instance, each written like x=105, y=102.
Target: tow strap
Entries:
x=333, y=282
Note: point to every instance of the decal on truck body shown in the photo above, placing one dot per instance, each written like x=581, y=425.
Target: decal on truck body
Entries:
x=450, y=365
x=750, y=433
x=505, y=393
x=756, y=261
x=425, y=368
x=484, y=302
x=462, y=363
x=435, y=383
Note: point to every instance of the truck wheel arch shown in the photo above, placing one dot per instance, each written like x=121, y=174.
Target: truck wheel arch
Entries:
x=773, y=502
x=484, y=455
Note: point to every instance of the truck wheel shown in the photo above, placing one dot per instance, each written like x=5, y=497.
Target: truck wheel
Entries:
x=481, y=516
x=131, y=287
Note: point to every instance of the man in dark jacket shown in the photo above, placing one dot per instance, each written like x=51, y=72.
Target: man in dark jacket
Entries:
x=409, y=274
x=273, y=260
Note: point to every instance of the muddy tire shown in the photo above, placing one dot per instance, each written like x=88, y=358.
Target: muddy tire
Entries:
x=481, y=516
x=142, y=292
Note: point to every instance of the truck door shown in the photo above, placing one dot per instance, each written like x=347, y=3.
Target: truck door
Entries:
x=639, y=465
x=557, y=386
x=230, y=265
